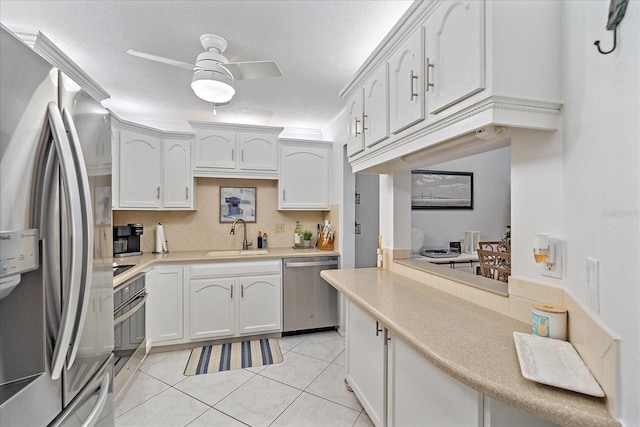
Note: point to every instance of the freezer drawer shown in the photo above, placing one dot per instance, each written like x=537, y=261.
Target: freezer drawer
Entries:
x=93, y=406
x=308, y=301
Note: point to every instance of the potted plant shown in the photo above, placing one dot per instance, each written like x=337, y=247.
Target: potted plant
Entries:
x=306, y=239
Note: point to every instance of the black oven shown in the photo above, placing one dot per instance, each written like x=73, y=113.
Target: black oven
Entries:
x=129, y=329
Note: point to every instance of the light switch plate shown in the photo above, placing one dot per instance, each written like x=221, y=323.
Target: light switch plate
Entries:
x=279, y=227
x=593, y=284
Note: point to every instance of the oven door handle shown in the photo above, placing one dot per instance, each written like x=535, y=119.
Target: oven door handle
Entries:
x=131, y=312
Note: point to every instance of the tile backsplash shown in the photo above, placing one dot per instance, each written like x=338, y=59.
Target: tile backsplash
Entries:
x=201, y=229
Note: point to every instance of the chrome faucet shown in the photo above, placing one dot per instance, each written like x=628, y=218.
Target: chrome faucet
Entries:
x=245, y=242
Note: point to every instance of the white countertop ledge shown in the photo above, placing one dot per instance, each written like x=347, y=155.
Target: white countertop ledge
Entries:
x=471, y=343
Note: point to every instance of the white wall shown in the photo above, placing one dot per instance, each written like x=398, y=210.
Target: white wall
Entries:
x=492, y=202
x=602, y=174
x=582, y=183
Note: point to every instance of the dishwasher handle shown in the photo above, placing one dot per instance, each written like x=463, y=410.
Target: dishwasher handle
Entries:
x=296, y=264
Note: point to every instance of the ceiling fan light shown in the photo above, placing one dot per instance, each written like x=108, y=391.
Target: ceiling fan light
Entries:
x=213, y=86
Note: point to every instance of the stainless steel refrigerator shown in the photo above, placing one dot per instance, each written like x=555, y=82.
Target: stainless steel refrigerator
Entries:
x=56, y=293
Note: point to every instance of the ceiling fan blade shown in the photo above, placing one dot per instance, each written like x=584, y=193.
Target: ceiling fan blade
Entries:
x=253, y=69
x=161, y=59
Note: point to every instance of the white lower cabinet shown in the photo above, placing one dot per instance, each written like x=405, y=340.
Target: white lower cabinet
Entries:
x=366, y=367
x=260, y=307
x=165, y=304
x=230, y=299
x=497, y=414
x=398, y=387
x=420, y=394
x=211, y=308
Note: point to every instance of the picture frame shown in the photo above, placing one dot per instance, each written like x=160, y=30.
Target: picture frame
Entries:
x=431, y=189
x=237, y=203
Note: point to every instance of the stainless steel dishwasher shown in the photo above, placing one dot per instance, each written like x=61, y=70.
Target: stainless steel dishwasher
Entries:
x=309, y=301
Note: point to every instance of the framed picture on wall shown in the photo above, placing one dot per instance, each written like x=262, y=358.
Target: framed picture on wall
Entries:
x=441, y=190
x=237, y=203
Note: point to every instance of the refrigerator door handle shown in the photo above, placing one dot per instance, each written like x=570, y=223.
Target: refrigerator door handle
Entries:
x=85, y=229
x=74, y=216
x=92, y=419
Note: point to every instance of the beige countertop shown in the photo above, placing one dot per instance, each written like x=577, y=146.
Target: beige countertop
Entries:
x=470, y=343
x=147, y=260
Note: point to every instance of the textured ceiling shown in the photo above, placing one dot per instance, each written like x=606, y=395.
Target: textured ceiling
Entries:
x=319, y=46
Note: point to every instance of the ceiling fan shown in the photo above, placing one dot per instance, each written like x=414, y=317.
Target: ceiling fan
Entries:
x=213, y=74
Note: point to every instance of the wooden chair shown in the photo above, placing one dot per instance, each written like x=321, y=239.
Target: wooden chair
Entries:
x=495, y=265
x=495, y=246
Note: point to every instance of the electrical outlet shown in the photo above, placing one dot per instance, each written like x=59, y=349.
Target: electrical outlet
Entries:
x=279, y=227
x=553, y=266
x=593, y=284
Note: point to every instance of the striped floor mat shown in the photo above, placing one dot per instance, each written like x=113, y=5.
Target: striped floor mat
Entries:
x=224, y=357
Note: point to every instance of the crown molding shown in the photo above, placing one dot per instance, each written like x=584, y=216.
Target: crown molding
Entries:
x=56, y=57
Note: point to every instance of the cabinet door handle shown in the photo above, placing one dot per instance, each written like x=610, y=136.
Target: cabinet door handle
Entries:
x=357, y=133
x=242, y=155
x=233, y=155
x=428, y=83
x=283, y=198
x=378, y=329
x=241, y=291
x=158, y=193
x=231, y=291
x=186, y=193
x=364, y=126
x=412, y=77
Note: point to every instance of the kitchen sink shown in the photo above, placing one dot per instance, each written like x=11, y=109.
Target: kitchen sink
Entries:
x=237, y=252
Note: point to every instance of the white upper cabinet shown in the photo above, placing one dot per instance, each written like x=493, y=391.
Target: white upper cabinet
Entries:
x=235, y=151
x=375, y=119
x=455, y=53
x=215, y=150
x=406, y=82
x=151, y=169
x=454, y=67
x=258, y=151
x=355, y=116
x=305, y=168
x=140, y=170
x=177, y=173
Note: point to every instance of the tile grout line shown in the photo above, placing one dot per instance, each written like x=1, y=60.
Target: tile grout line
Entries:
x=185, y=377
x=157, y=394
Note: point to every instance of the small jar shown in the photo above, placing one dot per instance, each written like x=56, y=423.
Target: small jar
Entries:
x=548, y=320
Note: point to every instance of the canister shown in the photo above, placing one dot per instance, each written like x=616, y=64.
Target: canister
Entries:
x=549, y=320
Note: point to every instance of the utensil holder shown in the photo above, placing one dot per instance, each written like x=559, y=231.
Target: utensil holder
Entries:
x=328, y=246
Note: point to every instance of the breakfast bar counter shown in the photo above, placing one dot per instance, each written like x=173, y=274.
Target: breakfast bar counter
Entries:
x=471, y=343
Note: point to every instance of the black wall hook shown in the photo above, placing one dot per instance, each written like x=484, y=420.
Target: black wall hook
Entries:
x=615, y=42
x=617, y=9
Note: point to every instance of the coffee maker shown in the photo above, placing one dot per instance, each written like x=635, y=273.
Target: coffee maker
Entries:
x=126, y=240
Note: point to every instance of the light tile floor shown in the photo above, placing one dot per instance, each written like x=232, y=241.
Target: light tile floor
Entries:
x=306, y=389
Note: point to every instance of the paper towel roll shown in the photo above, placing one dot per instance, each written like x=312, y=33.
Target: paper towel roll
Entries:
x=548, y=320
x=161, y=241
